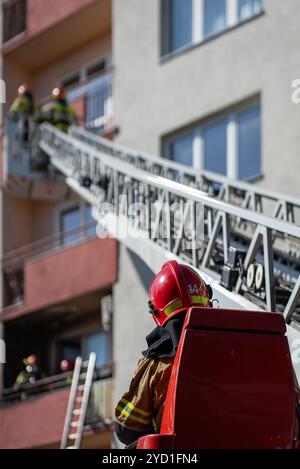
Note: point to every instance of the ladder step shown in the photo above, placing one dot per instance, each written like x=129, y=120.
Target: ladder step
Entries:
x=78, y=399
x=76, y=411
x=85, y=363
x=71, y=447
x=83, y=375
x=74, y=424
x=80, y=387
x=73, y=436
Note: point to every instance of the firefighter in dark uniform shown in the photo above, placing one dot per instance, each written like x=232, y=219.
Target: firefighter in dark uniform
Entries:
x=174, y=289
x=59, y=113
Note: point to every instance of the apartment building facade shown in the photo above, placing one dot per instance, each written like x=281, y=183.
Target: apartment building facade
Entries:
x=207, y=83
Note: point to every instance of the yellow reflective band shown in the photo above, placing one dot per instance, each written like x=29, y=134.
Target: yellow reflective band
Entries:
x=133, y=407
x=132, y=417
x=201, y=300
x=172, y=307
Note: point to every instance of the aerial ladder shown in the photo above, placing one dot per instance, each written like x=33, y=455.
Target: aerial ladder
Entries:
x=244, y=240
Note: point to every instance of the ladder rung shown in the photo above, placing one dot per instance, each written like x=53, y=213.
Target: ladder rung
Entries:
x=80, y=387
x=74, y=424
x=78, y=399
x=83, y=375
x=73, y=436
x=71, y=447
x=85, y=363
x=76, y=411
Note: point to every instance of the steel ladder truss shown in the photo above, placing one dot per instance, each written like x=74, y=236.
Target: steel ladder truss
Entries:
x=78, y=402
x=219, y=238
x=238, y=193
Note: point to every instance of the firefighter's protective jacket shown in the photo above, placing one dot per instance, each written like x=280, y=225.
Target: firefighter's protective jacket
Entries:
x=60, y=114
x=140, y=409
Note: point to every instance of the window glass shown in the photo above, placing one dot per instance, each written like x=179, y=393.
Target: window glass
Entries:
x=249, y=142
x=180, y=23
x=182, y=150
x=100, y=344
x=215, y=147
x=214, y=16
x=70, y=220
x=249, y=8
x=90, y=221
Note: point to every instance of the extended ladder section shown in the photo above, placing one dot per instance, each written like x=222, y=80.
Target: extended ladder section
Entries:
x=78, y=402
x=245, y=240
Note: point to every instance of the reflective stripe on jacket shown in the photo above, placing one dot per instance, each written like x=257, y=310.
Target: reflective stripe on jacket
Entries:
x=141, y=408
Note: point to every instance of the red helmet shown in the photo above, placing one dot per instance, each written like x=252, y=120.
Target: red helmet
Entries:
x=67, y=365
x=174, y=289
x=58, y=92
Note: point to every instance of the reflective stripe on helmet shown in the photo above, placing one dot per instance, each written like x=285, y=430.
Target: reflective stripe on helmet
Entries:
x=173, y=306
x=200, y=300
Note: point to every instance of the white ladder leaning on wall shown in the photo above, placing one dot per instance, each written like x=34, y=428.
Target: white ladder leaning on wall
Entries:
x=79, y=394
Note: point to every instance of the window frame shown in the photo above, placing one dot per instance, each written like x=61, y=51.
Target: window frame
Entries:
x=232, y=144
x=67, y=207
x=232, y=19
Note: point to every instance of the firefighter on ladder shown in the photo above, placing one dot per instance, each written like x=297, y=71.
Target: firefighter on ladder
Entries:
x=23, y=109
x=58, y=112
x=173, y=290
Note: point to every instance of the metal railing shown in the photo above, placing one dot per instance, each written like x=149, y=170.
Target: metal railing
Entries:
x=99, y=404
x=13, y=262
x=14, y=18
x=170, y=207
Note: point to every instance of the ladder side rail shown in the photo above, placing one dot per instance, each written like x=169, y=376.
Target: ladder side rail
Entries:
x=85, y=398
x=71, y=402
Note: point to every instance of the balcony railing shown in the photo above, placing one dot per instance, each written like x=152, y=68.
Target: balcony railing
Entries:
x=13, y=262
x=97, y=96
x=99, y=408
x=14, y=18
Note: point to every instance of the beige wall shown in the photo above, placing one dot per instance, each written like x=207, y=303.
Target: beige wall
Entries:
x=262, y=56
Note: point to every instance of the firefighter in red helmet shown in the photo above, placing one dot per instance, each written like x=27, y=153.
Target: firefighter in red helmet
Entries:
x=174, y=289
x=59, y=112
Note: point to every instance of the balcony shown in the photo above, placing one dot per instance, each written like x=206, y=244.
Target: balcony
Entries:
x=30, y=29
x=67, y=270
x=14, y=19
x=46, y=400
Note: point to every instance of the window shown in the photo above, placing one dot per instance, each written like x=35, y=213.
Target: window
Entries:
x=248, y=123
x=249, y=8
x=230, y=145
x=185, y=22
x=182, y=150
x=214, y=143
x=70, y=220
x=99, y=343
x=76, y=223
x=181, y=23
x=214, y=17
